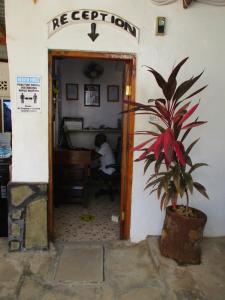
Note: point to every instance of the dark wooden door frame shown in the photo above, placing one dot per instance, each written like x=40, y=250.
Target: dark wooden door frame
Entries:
x=127, y=133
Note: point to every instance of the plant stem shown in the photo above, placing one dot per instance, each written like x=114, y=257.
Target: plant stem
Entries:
x=187, y=205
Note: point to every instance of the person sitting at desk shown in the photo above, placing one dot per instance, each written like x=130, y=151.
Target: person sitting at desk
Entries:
x=105, y=155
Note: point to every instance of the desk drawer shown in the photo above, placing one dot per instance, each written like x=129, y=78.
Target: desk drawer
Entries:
x=66, y=157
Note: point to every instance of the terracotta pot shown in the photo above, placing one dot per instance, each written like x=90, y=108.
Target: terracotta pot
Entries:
x=181, y=236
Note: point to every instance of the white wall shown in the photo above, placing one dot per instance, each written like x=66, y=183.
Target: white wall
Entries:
x=197, y=32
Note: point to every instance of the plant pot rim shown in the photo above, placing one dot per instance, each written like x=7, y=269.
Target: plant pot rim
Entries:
x=200, y=214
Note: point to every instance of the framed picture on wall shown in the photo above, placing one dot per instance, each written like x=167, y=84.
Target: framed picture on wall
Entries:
x=92, y=95
x=71, y=91
x=113, y=93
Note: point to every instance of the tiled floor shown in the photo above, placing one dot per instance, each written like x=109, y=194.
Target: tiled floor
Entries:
x=70, y=227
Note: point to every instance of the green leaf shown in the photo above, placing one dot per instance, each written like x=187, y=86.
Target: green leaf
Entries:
x=191, y=146
x=201, y=189
x=176, y=179
x=195, y=166
x=165, y=184
x=156, y=175
x=185, y=134
x=189, y=182
x=154, y=190
x=159, y=190
x=188, y=161
x=160, y=128
x=182, y=188
x=153, y=182
x=166, y=200
x=162, y=200
x=149, y=159
x=158, y=163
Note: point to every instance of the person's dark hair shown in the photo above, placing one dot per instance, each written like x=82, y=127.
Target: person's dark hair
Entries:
x=100, y=139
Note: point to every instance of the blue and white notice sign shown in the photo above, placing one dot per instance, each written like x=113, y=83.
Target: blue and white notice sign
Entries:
x=28, y=93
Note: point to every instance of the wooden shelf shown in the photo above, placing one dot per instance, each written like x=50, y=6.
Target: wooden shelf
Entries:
x=96, y=130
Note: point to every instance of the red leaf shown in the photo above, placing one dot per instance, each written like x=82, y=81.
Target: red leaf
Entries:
x=167, y=163
x=182, y=109
x=196, y=92
x=187, y=132
x=194, y=124
x=158, y=77
x=161, y=100
x=134, y=103
x=162, y=110
x=143, y=155
x=188, y=114
x=168, y=143
x=138, y=147
x=160, y=128
x=185, y=86
x=147, y=132
x=179, y=152
x=158, y=146
x=137, y=106
x=175, y=71
x=156, y=113
x=172, y=83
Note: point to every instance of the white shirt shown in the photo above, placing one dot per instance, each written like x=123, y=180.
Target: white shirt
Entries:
x=107, y=158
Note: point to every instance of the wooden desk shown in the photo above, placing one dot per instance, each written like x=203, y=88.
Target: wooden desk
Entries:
x=71, y=175
x=71, y=157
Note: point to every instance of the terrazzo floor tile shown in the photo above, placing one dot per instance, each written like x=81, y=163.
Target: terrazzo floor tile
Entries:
x=70, y=227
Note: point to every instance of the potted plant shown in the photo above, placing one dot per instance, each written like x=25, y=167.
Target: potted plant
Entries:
x=172, y=176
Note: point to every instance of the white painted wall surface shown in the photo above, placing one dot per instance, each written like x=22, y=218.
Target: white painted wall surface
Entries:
x=197, y=32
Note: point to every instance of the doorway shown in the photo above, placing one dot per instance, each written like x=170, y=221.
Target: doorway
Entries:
x=128, y=62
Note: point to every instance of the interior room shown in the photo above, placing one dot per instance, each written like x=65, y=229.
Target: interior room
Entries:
x=87, y=103
x=5, y=144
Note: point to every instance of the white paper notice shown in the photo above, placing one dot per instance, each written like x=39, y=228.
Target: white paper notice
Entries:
x=28, y=93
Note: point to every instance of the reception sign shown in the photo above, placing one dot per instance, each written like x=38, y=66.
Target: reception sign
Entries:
x=78, y=16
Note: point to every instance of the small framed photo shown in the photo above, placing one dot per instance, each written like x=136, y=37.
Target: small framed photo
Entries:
x=92, y=95
x=71, y=91
x=113, y=93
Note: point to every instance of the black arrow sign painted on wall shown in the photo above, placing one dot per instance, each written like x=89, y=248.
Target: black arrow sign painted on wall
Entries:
x=93, y=35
